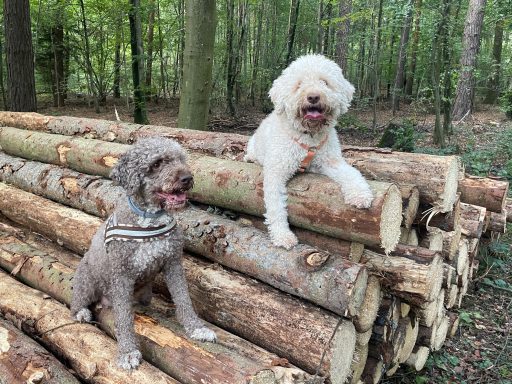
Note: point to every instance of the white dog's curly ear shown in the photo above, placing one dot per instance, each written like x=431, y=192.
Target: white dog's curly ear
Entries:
x=347, y=93
x=277, y=97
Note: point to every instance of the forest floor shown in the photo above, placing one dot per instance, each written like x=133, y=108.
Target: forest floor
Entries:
x=481, y=352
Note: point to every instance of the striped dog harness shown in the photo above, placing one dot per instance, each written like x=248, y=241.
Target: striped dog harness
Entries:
x=311, y=152
x=124, y=232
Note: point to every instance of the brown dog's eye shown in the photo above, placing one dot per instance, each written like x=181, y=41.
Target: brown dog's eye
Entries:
x=156, y=165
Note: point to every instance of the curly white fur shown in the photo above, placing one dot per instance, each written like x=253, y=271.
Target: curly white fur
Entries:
x=308, y=98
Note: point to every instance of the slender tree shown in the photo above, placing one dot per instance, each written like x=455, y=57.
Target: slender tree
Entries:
x=19, y=56
x=343, y=33
x=292, y=27
x=88, y=63
x=471, y=44
x=414, y=48
x=197, y=67
x=57, y=38
x=150, y=43
x=493, y=85
x=139, y=113
x=399, y=77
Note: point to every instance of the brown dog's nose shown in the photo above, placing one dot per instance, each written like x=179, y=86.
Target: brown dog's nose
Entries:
x=313, y=98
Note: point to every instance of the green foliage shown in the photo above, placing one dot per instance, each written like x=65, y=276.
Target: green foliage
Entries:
x=400, y=137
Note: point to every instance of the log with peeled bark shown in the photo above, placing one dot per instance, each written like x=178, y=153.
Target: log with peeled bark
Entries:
x=484, y=192
x=22, y=360
x=314, y=202
x=412, y=277
x=163, y=341
x=225, y=298
x=299, y=271
x=497, y=222
x=436, y=176
x=87, y=350
x=472, y=220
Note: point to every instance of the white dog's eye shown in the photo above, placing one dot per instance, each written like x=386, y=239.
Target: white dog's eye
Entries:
x=324, y=81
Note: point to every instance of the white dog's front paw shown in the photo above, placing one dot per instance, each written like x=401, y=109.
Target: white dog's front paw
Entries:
x=84, y=315
x=362, y=200
x=129, y=360
x=284, y=239
x=203, y=334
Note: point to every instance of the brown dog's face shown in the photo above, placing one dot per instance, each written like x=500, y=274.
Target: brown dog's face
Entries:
x=167, y=182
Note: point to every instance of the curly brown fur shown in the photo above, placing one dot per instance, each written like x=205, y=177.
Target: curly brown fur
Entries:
x=154, y=173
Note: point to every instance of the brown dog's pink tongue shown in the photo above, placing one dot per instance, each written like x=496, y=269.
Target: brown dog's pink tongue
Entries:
x=314, y=115
x=173, y=197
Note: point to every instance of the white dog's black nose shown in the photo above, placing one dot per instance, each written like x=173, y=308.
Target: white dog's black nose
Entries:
x=313, y=98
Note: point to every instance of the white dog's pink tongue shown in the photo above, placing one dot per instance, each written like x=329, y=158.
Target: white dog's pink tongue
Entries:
x=314, y=115
x=173, y=198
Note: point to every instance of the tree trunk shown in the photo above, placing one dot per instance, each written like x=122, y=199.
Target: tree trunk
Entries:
x=435, y=176
x=231, y=245
x=87, y=53
x=25, y=361
x=343, y=33
x=19, y=56
x=231, y=300
x=163, y=340
x=414, y=48
x=2, y=86
x=88, y=350
x=493, y=85
x=150, y=44
x=471, y=44
x=235, y=185
x=198, y=61
x=117, y=62
x=292, y=26
x=485, y=192
x=59, y=79
x=139, y=112
x=402, y=55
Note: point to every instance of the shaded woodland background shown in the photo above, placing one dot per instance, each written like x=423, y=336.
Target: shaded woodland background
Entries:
x=450, y=55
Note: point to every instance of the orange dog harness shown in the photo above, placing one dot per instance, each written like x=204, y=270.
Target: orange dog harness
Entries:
x=311, y=152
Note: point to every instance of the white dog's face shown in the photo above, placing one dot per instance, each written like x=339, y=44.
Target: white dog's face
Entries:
x=312, y=92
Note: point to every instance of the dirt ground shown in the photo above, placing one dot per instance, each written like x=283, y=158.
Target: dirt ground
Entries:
x=481, y=352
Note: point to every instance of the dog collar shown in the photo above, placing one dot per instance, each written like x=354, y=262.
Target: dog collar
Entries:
x=143, y=213
x=124, y=232
x=310, y=153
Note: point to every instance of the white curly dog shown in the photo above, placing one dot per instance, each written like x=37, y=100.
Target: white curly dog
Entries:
x=299, y=135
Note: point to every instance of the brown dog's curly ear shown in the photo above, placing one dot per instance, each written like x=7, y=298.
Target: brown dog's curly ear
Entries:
x=127, y=173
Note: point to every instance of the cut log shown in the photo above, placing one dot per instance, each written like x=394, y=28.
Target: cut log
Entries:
x=383, y=343
x=314, y=202
x=346, y=249
x=508, y=208
x=435, y=176
x=410, y=325
x=451, y=243
x=472, y=220
x=416, y=276
x=448, y=221
x=418, y=357
x=453, y=327
x=370, y=307
x=451, y=296
x=448, y=275
x=433, y=239
x=163, y=341
x=228, y=299
x=484, y=191
x=299, y=271
x=22, y=360
x=408, y=236
x=497, y=222
x=88, y=350
x=358, y=362
x=461, y=259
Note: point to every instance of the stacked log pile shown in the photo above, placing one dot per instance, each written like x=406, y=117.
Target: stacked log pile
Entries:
x=365, y=292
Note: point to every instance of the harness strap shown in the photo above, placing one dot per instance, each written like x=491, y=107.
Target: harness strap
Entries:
x=311, y=152
x=123, y=232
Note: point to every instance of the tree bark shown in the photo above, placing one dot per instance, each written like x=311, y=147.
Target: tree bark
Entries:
x=234, y=185
x=292, y=26
x=24, y=361
x=343, y=33
x=232, y=300
x=435, y=176
x=298, y=272
x=485, y=192
x=493, y=85
x=198, y=62
x=139, y=112
x=88, y=350
x=150, y=45
x=163, y=341
x=463, y=104
x=402, y=55
x=19, y=56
